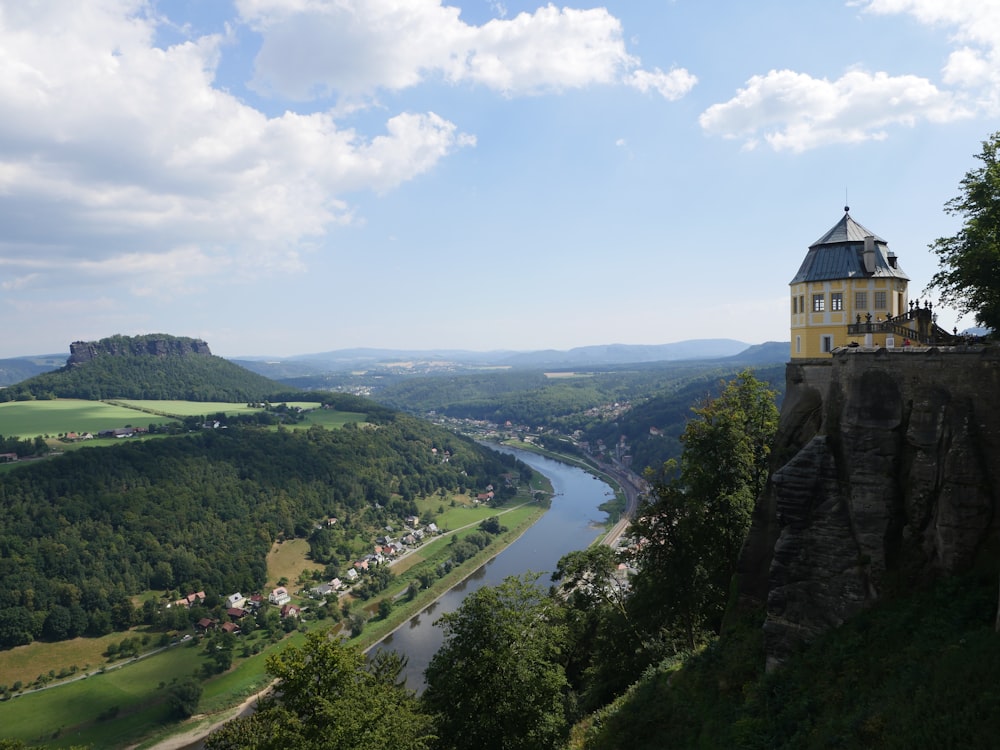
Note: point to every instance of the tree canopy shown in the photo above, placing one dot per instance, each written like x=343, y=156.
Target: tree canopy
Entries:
x=498, y=682
x=328, y=695
x=969, y=277
x=700, y=513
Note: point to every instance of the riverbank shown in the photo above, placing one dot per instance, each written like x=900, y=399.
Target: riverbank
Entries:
x=195, y=730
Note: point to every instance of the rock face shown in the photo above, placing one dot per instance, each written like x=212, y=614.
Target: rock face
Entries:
x=885, y=474
x=122, y=346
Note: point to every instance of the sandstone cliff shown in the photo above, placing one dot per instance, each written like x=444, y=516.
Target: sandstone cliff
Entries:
x=885, y=474
x=159, y=345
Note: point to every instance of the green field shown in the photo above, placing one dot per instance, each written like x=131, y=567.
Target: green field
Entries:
x=29, y=419
x=62, y=716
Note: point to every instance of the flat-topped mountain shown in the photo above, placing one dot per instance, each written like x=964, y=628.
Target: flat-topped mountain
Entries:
x=155, y=366
x=156, y=345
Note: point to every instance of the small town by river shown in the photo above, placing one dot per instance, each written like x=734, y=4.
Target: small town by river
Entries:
x=574, y=521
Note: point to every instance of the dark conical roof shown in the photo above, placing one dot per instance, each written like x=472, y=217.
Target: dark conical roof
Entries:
x=846, y=230
x=839, y=254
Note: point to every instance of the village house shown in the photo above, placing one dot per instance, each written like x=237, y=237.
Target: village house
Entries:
x=331, y=587
x=235, y=601
x=191, y=600
x=290, y=610
x=279, y=596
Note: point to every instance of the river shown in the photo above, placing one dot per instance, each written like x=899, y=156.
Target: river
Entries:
x=573, y=522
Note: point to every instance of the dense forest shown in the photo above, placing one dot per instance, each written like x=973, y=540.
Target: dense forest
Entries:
x=82, y=532
x=132, y=367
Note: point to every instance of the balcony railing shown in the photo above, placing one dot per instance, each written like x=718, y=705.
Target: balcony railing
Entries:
x=917, y=325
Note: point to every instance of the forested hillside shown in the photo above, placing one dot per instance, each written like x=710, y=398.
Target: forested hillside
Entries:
x=145, y=367
x=20, y=368
x=82, y=532
x=648, y=405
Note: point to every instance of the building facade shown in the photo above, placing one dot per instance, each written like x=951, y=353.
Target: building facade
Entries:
x=848, y=276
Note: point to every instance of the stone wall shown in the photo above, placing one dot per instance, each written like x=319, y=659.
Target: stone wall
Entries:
x=885, y=473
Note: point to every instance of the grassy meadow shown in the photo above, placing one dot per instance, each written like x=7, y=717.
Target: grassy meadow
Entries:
x=126, y=699
x=29, y=419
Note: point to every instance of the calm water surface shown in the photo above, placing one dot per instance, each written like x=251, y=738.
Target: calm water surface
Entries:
x=573, y=522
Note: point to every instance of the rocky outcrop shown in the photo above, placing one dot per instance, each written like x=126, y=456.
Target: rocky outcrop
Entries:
x=129, y=346
x=885, y=474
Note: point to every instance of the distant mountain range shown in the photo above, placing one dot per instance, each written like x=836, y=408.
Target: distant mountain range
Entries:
x=428, y=361
x=16, y=370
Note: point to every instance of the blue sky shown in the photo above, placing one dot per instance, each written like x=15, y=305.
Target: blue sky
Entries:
x=290, y=176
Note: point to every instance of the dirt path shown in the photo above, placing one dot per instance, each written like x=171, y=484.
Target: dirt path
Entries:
x=198, y=733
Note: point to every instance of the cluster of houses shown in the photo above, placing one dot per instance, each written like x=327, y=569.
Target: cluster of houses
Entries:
x=385, y=550
x=238, y=607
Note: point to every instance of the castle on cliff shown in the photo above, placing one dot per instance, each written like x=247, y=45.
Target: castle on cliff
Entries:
x=851, y=291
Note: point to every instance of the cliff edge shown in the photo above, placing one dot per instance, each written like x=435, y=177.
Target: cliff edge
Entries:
x=157, y=345
x=885, y=473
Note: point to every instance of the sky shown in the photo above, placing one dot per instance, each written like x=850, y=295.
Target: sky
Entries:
x=282, y=177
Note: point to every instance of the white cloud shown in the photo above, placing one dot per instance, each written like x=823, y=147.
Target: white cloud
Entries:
x=120, y=154
x=672, y=85
x=353, y=48
x=794, y=111
x=18, y=282
x=975, y=28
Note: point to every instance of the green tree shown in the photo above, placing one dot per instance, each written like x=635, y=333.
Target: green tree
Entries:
x=329, y=696
x=498, y=680
x=183, y=698
x=699, y=516
x=384, y=608
x=969, y=277
x=605, y=650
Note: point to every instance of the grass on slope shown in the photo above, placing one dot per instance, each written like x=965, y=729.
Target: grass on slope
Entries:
x=917, y=672
x=28, y=419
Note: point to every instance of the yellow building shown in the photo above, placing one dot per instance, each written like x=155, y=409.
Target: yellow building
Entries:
x=849, y=276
